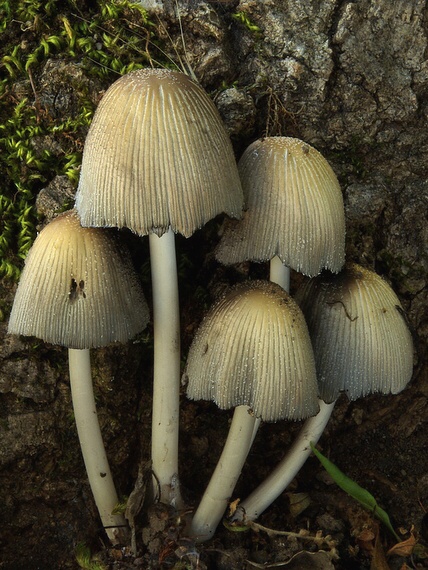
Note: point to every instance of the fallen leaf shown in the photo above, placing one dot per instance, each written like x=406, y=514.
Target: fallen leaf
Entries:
x=365, y=540
x=233, y=506
x=404, y=548
x=379, y=559
x=298, y=503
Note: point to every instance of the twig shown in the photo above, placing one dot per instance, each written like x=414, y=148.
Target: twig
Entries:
x=317, y=538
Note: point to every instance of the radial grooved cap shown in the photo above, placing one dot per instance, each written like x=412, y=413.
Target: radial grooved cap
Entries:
x=359, y=333
x=294, y=209
x=253, y=349
x=157, y=156
x=78, y=288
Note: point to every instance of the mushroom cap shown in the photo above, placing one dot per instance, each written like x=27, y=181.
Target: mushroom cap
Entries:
x=294, y=209
x=359, y=333
x=253, y=348
x=157, y=155
x=78, y=288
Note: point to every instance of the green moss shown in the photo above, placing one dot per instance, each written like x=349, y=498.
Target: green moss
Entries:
x=86, y=560
x=244, y=19
x=105, y=41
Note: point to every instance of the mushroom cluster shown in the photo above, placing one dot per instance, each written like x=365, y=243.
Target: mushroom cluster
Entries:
x=294, y=218
x=158, y=160
x=361, y=344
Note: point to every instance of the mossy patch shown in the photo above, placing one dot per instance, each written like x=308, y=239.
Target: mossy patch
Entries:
x=41, y=135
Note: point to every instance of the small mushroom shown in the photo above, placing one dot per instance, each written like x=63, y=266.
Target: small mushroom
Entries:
x=361, y=344
x=252, y=352
x=294, y=211
x=78, y=289
x=361, y=340
x=158, y=160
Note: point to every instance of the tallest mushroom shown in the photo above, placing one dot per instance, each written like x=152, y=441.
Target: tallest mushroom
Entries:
x=158, y=161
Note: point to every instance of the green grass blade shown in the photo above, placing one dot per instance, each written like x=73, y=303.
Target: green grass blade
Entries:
x=361, y=495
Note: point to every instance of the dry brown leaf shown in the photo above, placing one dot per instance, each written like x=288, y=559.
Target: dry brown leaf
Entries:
x=233, y=506
x=366, y=539
x=379, y=559
x=404, y=548
x=298, y=503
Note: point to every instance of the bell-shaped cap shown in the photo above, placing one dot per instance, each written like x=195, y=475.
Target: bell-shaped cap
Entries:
x=253, y=348
x=78, y=288
x=359, y=333
x=157, y=156
x=294, y=209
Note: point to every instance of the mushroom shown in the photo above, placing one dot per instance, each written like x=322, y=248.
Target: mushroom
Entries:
x=361, y=344
x=158, y=160
x=295, y=215
x=252, y=352
x=361, y=341
x=78, y=289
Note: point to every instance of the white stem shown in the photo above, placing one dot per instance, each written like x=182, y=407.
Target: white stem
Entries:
x=91, y=444
x=166, y=379
x=223, y=481
x=280, y=273
x=266, y=493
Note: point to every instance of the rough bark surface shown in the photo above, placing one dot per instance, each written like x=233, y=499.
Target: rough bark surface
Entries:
x=350, y=78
